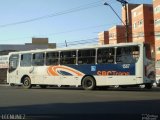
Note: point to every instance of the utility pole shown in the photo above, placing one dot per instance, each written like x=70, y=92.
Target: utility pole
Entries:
x=66, y=43
x=124, y=4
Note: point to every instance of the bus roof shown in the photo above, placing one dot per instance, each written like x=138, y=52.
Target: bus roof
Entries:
x=77, y=48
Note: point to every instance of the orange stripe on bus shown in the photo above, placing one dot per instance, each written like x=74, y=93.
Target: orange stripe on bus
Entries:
x=79, y=74
x=52, y=70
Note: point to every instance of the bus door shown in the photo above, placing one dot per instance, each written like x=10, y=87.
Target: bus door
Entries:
x=13, y=71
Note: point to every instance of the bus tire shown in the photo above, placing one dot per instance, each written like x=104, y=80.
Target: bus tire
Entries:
x=88, y=83
x=12, y=85
x=148, y=85
x=43, y=86
x=27, y=83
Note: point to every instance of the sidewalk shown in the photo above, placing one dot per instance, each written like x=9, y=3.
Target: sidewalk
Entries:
x=3, y=85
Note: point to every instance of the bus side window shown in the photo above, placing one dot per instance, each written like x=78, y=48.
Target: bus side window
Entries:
x=38, y=59
x=86, y=56
x=105, y=55
x=52, y=58
x=25, y=60
x=68, y=57
x=127, y=54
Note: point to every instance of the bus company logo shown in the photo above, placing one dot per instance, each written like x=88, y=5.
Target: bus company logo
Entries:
x=63, y=70
x=126, y=65
x=107, y=73
x=93, y=68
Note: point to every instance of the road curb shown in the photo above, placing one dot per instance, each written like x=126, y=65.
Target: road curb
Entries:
x=3, y=85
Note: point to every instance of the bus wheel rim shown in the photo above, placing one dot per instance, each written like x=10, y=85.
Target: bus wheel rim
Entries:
x=88, y=83
x=26, y=82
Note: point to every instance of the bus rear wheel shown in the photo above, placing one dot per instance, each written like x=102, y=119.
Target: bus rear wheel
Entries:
x=27, y=83
x=88, y=83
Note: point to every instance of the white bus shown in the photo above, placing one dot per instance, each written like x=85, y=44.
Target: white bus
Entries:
x=90, y=67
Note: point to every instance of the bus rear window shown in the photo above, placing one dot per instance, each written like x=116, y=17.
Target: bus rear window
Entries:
x=128, y=54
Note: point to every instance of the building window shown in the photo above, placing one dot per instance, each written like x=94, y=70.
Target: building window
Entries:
x=134, y=25
x=112, y=35
x=135, y=14
x=157, y=35
x=157, y=22
x=158, y=48
x=140, y=23
x=157, y=9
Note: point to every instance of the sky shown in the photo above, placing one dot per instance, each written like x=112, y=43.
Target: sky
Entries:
x=58, y=20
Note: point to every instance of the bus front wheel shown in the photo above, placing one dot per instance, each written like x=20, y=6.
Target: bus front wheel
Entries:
x=27, y=83
x=88, y=83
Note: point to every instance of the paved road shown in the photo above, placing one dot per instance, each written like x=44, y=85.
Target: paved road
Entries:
x=71, y=103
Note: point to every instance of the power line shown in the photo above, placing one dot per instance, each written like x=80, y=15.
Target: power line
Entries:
x=87, y=6
x=62, y=32
x=75, y=30
x=92, y=41
x=79, y=42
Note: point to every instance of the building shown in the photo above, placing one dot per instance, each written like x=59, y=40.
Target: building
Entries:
x=143, y=25
x=117, y=34
x=37, y=43
x=103, y=38
x=156, y=6
x=129, y=19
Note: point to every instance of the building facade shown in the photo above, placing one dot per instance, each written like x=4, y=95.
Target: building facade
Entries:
x=143, y=25
x=156, y=6
x=129, y=19
x=117, y=34
x=103, y=38
x=37, y=43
